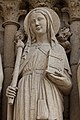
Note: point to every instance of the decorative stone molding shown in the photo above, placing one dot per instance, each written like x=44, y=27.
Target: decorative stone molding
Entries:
x=63, y=38
x=11, y=23
x=42, y=3
x=74, y=9
x=11, y=10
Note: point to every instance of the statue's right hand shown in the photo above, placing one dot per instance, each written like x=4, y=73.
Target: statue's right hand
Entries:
x=11, y=92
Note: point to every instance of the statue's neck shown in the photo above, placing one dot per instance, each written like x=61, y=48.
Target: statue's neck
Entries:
x=42, y=38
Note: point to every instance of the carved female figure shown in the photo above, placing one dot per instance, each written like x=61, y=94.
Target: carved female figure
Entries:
x=45, y=77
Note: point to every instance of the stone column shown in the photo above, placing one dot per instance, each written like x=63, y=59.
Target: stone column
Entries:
x=64, y=24
x=11, y=14
x=9, y=32
x=74, y=10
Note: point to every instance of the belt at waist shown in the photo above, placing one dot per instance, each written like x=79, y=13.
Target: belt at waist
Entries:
x=37, y=71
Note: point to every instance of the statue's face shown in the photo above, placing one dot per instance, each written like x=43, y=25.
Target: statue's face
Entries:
x=38, y=23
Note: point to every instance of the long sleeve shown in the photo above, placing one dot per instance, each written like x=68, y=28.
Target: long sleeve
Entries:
x=62, y=82
x=58, y=70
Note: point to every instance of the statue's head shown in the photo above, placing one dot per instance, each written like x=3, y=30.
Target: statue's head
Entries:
x=41, y=20
x=38, y=22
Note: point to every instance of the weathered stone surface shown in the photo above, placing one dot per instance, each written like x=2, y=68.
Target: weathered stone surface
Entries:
x=42, y=3
x=75, y=42
x=74, y=97
x=69, y=12
x=74, y=10
x=42, y=98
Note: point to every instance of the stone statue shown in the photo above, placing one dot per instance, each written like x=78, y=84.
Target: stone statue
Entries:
x=45, y=74
x=1, y=74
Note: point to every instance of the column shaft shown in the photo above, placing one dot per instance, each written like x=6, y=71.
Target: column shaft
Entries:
x=10, y=29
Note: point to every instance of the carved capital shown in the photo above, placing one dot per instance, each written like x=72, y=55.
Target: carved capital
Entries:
x=42, y=3
x=74, y=9
x=11, y=10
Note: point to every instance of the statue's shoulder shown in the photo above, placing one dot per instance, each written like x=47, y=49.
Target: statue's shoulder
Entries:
x=58, y=50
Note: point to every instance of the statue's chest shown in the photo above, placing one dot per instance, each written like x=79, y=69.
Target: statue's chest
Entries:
x=38, y=59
